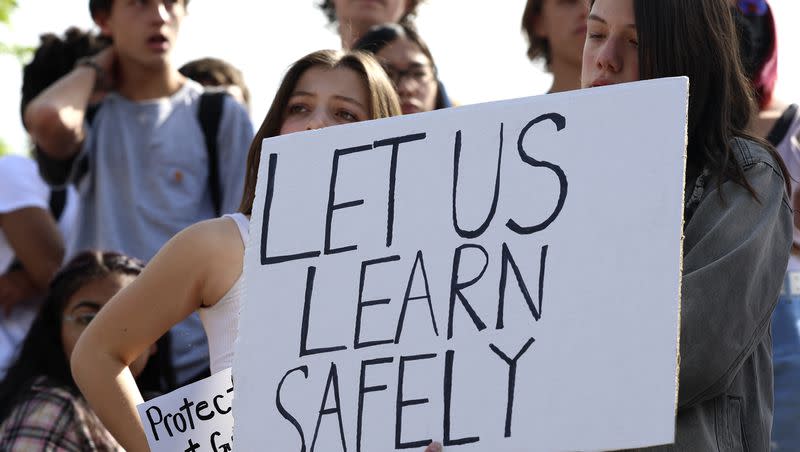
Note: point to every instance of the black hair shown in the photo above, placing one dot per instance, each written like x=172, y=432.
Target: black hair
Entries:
x=42, y=351
x=698, y=39
x=755, y=40
x=757, y=47
x=54, y=58
x=380, y=36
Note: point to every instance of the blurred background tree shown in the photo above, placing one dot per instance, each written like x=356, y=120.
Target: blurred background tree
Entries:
x=4, y=148
x=10, y=48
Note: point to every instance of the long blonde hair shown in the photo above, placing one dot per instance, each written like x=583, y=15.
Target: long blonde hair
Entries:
x=383, y=103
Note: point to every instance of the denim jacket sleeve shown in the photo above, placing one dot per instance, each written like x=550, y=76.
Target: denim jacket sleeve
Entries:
x=736, y=250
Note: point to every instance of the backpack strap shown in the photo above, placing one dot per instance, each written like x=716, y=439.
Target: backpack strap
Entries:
x=91, y=112
x=82, y=165
x=58, y=200
x=782, y=125
x=209, y=113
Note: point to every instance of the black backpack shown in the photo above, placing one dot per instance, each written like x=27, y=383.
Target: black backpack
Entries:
x=209, y=113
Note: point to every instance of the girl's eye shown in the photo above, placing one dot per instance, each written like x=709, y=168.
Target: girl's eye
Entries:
x=86, y=318
x=297, y=108
x=82, y=318
x=419, y=75
x=347, y=116
x=595, y=35
x=634, y=42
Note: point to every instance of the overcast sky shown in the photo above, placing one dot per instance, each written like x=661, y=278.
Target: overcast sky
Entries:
x=480, y=52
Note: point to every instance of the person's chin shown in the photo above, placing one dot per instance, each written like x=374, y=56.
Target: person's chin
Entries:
x=155, y=62
x=408, y=109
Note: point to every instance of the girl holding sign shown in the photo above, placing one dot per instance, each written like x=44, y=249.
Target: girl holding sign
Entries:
x=40, y=406
x=737, y=220
x=200, y=269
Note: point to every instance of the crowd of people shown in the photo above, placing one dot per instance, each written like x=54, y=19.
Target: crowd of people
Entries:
x=138, y=161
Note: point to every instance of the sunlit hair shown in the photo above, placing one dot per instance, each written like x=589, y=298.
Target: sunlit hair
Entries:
x=42, y=352
x=216, y=72
x=382, y=103
x=698, y=39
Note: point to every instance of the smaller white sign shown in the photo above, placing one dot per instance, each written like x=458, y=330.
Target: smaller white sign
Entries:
x=194, y=418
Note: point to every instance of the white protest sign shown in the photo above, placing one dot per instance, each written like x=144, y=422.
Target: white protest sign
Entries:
x=497, y=277
x=194, y=418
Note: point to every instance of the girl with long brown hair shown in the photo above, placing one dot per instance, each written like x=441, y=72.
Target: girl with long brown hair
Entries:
x=200, y=269
x=737, y=220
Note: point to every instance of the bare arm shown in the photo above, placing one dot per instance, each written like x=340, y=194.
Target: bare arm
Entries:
x=200, y=263
x=55, y=117
x=34, y=236
x=37, y=243
x=15, y=288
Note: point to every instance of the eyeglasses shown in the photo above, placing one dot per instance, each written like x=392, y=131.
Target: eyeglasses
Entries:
x=82, y=319
x=419, y=74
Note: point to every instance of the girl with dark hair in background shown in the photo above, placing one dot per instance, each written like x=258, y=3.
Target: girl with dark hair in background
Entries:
x=200, y=269
x=737, y=220
x=409, y=63
x=40, y=405
x=778, y=123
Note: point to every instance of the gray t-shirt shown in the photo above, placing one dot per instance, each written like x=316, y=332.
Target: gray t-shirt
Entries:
x=147, y=179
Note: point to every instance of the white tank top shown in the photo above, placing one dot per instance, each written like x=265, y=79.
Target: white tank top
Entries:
x=221, y=321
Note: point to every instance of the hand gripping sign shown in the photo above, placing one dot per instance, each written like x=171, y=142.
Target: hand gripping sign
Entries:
x=500, y=277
